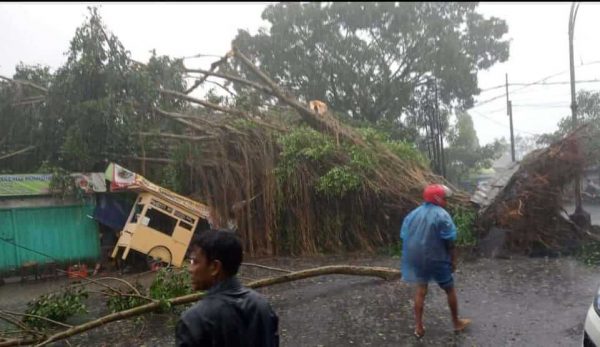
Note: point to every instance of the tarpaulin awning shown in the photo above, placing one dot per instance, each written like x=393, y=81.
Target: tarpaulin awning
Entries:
x=112, y=211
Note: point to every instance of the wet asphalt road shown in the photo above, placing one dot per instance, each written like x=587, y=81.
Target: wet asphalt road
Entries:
x=513, y=302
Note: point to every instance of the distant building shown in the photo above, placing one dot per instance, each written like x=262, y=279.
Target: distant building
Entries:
x=39, y=228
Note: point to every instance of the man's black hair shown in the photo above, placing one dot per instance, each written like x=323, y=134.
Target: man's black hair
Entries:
x=222, y=245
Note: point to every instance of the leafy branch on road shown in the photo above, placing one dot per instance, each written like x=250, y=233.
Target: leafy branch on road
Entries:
x=157, y=305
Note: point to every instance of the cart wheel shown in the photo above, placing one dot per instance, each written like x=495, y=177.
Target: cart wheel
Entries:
x=158, y=257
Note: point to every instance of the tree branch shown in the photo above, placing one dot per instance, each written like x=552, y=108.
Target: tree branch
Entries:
x=204, y=103
x=30, y=102
x=21, y=151
x=19, y=342
x=176, y=136
x=222, y=87
x=221, y=109
x=213, y=67
x=36, y=316
x=266, y=267
x=26, y=83
x=97, y=281
x=258, y=86
x=181, y=119
x=381, y=272
x=306, y=113
x=19, y=324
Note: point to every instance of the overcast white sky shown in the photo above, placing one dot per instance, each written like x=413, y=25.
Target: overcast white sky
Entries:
x=39, y=33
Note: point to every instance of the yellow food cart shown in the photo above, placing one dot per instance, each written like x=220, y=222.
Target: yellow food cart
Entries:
x=161, y=223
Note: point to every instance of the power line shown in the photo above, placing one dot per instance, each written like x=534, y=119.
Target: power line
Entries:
x=529, y=85
x=542, y=105
x=499, y=123
x=543, y=79
x=557, y=100
x=556, y=83
x=541, y=84
x=526, y=85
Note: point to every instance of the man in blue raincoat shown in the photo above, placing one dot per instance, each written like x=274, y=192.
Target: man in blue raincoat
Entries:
x=428, y=254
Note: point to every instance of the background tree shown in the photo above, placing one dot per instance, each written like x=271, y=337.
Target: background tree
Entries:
x=588, y=112
x=96, y=106
x=465, y=155
x=370, y=60
x=21, y=116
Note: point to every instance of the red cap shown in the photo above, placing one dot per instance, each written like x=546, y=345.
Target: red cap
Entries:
x=437, y=194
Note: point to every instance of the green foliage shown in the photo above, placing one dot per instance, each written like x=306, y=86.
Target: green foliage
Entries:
x=407, y=151
x=372, y=135
x=166, y=285
x=588, y=112
x=341, y=168
x=244, y=124
x=38, y=74
x=116, y=303
x=464, y=219
x=300, y=145
x=401, y=148
x=363, y=159
x=60, y=306
x=170, y=178
x=95, y=105
x=55, y=306
x=20, y=124
x=62, y=183
x=169, y=284
x=589, y=253
x=338, y=181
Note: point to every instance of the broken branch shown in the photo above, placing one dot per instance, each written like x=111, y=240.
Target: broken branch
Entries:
x=21, y=151
x=304, y=111
x=266, y=267
x=258, y=86
x=26, y=83
x=36, y=316
x=204, y=103
x=176, y=136
x=213, y=67
x=384, y=273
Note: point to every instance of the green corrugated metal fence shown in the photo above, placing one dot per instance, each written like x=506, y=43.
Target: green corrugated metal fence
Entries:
x=63, y=233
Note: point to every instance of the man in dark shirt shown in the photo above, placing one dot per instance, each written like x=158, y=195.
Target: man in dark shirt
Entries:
x=230, y=314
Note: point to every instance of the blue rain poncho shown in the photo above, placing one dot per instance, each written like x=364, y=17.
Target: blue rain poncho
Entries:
x=425, y=256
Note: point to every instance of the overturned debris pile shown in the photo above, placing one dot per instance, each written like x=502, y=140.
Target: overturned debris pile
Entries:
x=529, y=207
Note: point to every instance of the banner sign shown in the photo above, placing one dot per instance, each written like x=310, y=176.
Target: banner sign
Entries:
x=39, y=184
x=123, y=179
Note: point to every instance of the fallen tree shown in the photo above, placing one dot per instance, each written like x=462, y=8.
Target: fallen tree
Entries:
x=529, y=208
x=155, y=305
x=295, y=180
